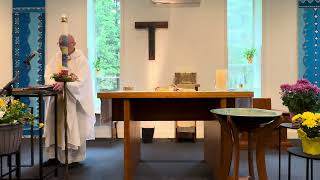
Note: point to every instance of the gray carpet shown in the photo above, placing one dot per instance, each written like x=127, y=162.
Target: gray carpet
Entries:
x=161, y=160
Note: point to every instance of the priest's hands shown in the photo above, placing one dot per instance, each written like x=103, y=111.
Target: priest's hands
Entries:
x=58, y=86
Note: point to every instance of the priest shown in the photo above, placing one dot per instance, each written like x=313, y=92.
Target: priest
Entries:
x=80, y=108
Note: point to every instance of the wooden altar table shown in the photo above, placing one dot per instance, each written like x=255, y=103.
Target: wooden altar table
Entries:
x=133, y=107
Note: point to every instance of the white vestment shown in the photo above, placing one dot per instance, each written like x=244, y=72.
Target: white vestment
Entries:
x=80, y=109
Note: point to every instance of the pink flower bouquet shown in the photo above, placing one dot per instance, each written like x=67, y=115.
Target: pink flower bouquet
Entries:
x=301, y=97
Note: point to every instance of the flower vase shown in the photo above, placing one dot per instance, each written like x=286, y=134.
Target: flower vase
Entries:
x=10, y=138
x=309, y=145
x=250, y=60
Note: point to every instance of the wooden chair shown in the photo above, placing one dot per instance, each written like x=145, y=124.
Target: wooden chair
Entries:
x=272, y=140
x=186, y=130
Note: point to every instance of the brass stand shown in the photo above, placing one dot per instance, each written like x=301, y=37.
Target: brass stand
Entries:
x=66, y=169
x=65, y=80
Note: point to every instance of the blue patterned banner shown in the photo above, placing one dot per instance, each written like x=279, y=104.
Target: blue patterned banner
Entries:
x=309, y=3
x=309, y=40
x=28, y=36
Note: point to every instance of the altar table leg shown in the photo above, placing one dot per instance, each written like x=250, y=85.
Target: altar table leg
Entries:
x=218, y=146
x=131, y=143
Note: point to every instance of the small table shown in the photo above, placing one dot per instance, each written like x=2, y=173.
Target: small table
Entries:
x=297, y=151
x=252, y=120
x=288, y=126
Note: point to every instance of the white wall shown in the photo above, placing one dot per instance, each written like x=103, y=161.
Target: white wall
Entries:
x=279, y=53
x=280, y=49
x=6, y=39
x=194, y=42
x=76, y=10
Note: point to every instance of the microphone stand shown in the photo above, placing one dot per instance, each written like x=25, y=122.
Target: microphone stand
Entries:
x=7, y=89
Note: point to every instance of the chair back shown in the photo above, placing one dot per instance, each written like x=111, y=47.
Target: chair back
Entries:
x=261, y=103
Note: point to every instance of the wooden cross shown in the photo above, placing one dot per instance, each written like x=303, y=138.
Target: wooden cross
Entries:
x=151, y=26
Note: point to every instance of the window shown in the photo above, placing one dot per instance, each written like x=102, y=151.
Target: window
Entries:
x=104, y=44
x=244, y=33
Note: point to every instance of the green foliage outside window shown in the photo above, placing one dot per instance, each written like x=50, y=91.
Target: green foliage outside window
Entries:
x=107, y=62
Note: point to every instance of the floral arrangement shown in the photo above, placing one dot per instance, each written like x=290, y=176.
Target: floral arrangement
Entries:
x=309, y=131
x=64, y=77
x=14, y=112
x=309, y=123
x=301, y=97
x=249, y=54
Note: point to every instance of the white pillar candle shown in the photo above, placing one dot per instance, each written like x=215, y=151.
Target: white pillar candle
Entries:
x=64, y=44
x=64, y=21
x=221, y=79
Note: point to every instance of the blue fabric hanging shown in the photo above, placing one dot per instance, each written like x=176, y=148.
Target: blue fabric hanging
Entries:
x=28, y=35
x=309, y=40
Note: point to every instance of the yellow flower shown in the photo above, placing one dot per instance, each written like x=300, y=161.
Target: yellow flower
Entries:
x=308, y=115
x=296, y=118
x=310, y=123
x=15, y=102
x=41, y=125
x=317, y=116
x=2, y=103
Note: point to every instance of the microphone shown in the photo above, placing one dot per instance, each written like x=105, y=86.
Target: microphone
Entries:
x=8, y=86
x=30, y=57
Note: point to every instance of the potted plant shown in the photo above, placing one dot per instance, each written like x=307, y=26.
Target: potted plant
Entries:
x=249, y=54
x=300, y=97
x=13, y=114
x=309, y=131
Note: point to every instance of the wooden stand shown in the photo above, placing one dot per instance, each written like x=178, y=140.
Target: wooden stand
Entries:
x=261, y=133
x=66, y=167
x=66, y=153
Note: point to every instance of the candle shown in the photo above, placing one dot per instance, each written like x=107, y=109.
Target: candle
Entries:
x=64, y=44
x=221, y=79
x=64, y=21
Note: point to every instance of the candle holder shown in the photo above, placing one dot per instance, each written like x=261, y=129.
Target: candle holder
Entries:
x=62, y=77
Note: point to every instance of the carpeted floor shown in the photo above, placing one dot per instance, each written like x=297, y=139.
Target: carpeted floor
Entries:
x=161, y=160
